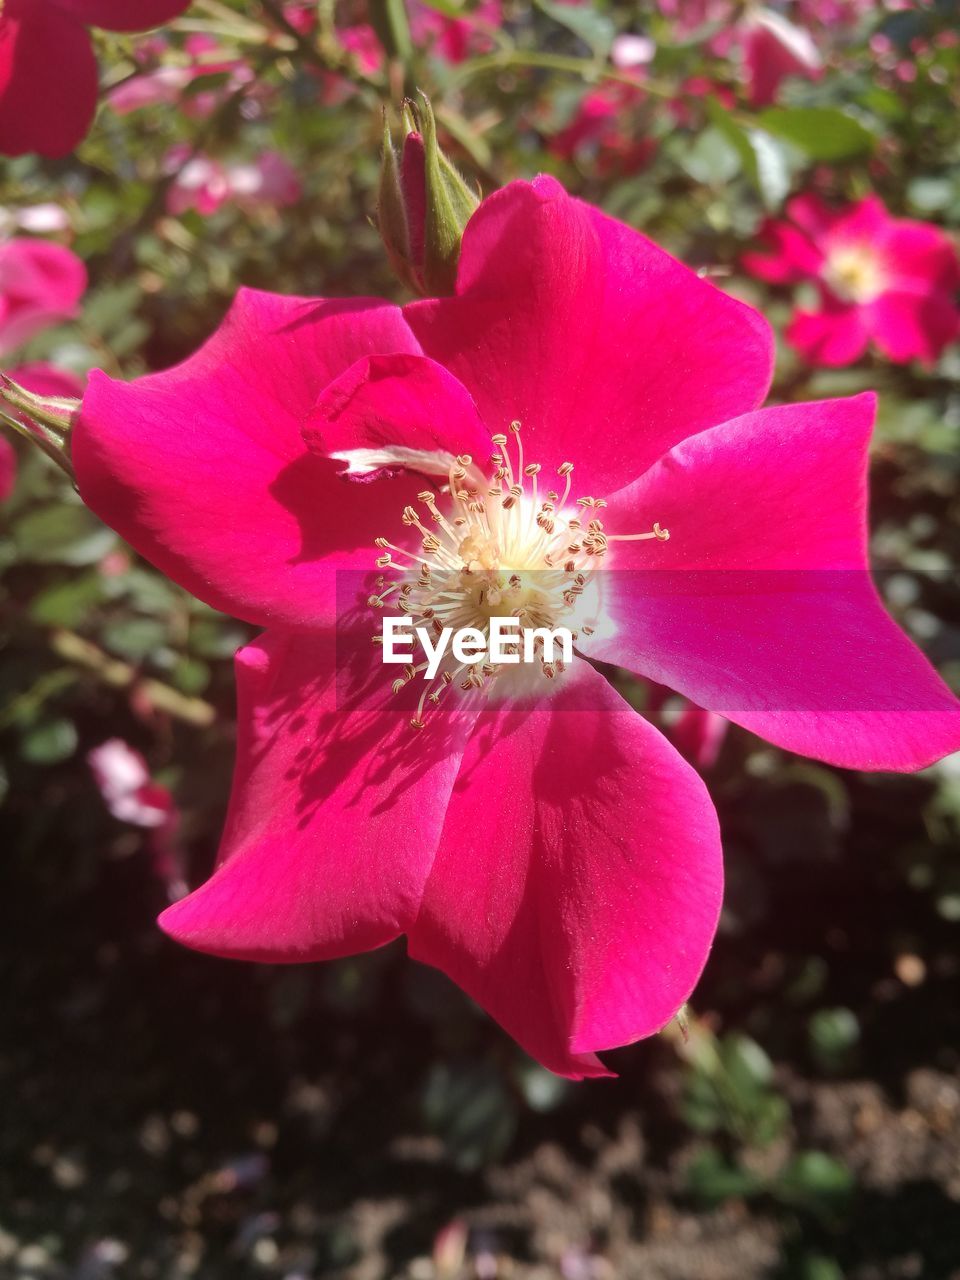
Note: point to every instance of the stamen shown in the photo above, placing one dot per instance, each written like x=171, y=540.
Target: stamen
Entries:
x=497, y=546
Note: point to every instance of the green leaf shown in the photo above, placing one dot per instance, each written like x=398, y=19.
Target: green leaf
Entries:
x=713, y=1179
x=713, y=159
x=822, y=133
x=815, y=1179
x=62, y=534
x=595, y=29
x=68, y=603
x=834, y=1034
x=49, y=742
x=135, y=638
x=468, y=1106
x=765, y=160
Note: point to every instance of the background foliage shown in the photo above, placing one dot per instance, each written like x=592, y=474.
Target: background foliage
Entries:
x=171, y=1115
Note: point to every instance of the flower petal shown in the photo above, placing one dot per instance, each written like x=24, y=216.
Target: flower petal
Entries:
x=577, y=885
x=789, y=255
x=336, y=810
x=47, y=380
x=40, y=285
x=761, y=606
x=8, y=469
x=204, y=470
x=912, y=326
x=608, y=350
x=123, y=15
x=400, y=410
x=836, y=335
x=48, y=82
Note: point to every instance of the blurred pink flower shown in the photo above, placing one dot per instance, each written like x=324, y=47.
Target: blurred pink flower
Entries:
x=455, y=39
x=362, y=42
x=629, y=52
x=770, y=46
x=206, y=185
x=773, y=49
x=166, y=83
x=48, y=73
x=38, y=219
x=131, y=796
x=698, y=735
x=889, y=281
x=40, y=285
x=550, y=851
x=605, y=128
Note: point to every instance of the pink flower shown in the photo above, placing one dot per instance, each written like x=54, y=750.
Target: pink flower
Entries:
x=629, y=52
x=550, y=851
x=455, y=39
x=773, y=49
x=133, y=797
x=48, y=74
x=605, y=128
x=40, y=285
x=698, y=735
x=40, y=219
x=165, y=84
x=889, y=281
x=206, y=185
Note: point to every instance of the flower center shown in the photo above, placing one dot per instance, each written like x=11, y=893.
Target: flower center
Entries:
x=855, y=273
x=497, y=544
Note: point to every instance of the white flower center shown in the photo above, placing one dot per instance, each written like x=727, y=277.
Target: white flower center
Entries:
x=497, y=545
x=855, y=273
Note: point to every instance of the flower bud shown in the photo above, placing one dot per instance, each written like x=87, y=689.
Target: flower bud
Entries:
x=424, y=204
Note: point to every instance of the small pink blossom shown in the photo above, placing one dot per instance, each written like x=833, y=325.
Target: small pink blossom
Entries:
x=773, y=49
x=455, y=39
x=882, y=280
x=38, y=219
x=580, y=397
x=606, y=128
x=769, y=45
x=206, y=185
x=629, y=52
x=131, y=796
x=40, y=285
x=166, y=83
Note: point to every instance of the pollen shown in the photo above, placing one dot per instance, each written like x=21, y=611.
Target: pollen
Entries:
x=855, y=272
x=498, y=547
